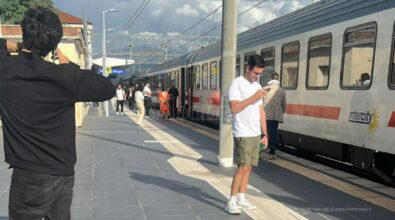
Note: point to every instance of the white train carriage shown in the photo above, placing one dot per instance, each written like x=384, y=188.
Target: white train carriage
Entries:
x=336, y=62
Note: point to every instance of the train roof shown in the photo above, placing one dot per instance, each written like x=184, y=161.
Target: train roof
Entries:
x=314, y=16
x=179, y=61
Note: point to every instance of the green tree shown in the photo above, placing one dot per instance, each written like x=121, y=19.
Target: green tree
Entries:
x=12, y=11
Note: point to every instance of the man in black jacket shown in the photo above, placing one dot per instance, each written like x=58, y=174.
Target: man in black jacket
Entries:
x=173, y=92
x=37, y=107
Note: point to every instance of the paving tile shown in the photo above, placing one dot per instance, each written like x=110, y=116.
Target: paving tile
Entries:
x=117, y=211
x=168, y=209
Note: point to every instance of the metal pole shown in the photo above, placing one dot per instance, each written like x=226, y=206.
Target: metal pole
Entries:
x=229, y=40
x=104, y=53
x=165, y=52
x=130, y=53
x=104, y=58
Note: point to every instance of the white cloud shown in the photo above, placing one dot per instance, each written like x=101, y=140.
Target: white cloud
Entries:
x=207, y=6
x=172, y=34
x=187, y=10
x=147, y=33
x=156, y=12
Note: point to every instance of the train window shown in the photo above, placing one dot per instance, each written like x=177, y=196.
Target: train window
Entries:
x=391, y=76
x=213, y=75
x=174, y=78
x=237, y=73
x=246, y=57
x=290, y=65
x=205, y=76
x=161, y=83
x=318, y=62
x=168, y=79
x=358, y=56
x=268, y=56
x=196, y=77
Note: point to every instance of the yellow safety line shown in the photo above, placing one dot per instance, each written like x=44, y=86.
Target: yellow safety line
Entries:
x=343, y=186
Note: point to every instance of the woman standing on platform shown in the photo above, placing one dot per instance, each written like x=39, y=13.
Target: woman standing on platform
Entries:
x=164, y=103
x=139, y=99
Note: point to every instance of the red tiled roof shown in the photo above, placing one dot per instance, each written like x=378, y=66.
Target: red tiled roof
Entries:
x=16, y=31
x=67, y=18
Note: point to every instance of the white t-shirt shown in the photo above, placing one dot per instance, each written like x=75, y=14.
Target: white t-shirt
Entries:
x=246, y=123
x=147, y=91
x=120, y=94
x=138, y=96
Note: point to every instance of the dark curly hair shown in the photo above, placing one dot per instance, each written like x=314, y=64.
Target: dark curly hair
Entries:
x=42, y=30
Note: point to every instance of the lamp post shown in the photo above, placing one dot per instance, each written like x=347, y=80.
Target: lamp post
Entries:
x=104, y=51
x=165, y=52
x=130, y=55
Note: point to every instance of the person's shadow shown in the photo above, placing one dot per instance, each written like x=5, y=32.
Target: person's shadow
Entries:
x=178, y=187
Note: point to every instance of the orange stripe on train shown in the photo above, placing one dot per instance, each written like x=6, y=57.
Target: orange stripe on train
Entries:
x=315, y=111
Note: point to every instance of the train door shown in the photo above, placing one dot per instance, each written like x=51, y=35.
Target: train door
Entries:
x=183, y=92
x=190, y=81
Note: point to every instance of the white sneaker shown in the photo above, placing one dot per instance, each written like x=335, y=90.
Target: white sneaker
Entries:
x=232, y=208
x=117, y=113
x=245, y=204
x=121, y=113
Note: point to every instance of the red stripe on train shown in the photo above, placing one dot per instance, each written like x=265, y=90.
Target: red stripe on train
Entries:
x=195, y=99
x=315, y=111
x=391, y=122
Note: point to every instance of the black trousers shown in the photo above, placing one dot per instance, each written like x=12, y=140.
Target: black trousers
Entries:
x=272, y=129
x=147, y=105
x=36, y=196
x=119, y=103
x=173, y=107
x=131, y=103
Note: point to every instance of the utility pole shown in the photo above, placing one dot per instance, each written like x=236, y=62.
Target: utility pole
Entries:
x=165, y=52
x=130, y=52
x=229, y=43
x=104, y=53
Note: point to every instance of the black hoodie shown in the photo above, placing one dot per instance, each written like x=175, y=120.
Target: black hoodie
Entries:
x=37, y=108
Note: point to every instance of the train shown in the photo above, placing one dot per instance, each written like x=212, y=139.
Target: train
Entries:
x=336, y=63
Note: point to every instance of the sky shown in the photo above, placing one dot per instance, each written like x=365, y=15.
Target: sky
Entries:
x=171, y=17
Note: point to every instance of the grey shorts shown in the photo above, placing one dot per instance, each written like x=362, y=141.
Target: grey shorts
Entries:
x=247, y=150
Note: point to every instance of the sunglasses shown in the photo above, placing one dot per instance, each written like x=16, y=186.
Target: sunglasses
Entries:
x=256, y=74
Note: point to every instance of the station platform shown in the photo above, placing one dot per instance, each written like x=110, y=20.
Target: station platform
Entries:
x=167, y=170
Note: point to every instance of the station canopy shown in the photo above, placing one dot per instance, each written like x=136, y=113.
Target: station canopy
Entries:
x=110, y=61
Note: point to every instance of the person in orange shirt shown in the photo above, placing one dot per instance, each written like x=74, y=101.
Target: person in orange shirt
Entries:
x=164, y=103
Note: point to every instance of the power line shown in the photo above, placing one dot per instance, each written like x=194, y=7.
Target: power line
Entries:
x=131, y=20
x=211, y=30
x=194, y=25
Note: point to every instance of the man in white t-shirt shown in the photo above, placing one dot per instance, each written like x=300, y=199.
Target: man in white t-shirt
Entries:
x=249, y=125
x=147, y=98
x=121, y=96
